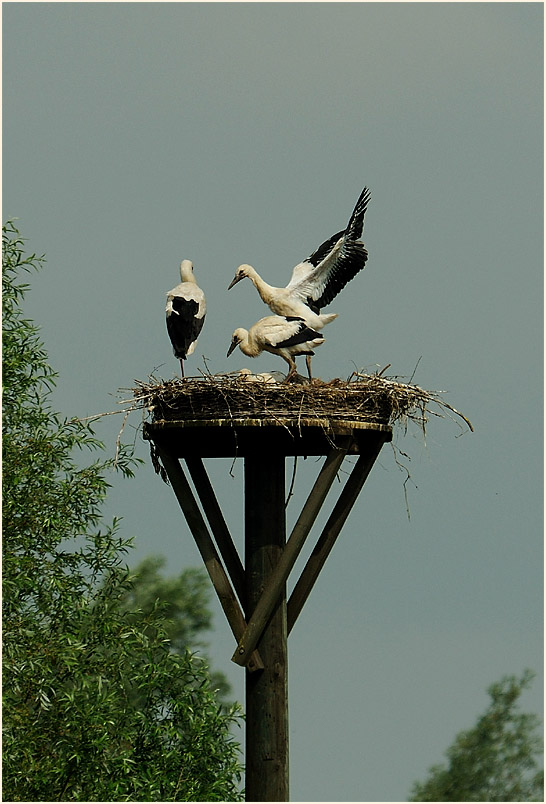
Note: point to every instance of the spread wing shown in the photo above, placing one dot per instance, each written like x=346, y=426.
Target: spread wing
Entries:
x=318, y=279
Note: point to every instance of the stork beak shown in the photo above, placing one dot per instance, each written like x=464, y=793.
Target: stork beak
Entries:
x=234, y=281
x=232, y=346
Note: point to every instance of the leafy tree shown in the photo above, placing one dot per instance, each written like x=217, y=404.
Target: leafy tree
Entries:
x=495, y=760
x=74, y=652
x=184, y=600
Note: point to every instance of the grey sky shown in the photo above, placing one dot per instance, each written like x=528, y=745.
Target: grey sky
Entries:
x=136, y=134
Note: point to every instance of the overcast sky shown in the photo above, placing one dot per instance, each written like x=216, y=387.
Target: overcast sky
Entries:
x=138, y=134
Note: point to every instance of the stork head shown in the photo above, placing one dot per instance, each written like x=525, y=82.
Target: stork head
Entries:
x=237, y=338
x=240, y=273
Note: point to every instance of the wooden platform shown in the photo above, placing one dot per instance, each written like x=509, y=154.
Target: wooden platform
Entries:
x=232, y=438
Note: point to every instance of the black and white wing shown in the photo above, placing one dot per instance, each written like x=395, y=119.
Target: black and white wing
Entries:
x=318, y=279
x=185, y=319
x=287, y=331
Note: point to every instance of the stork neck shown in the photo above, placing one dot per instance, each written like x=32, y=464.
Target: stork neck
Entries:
x=267, y=292
x=186, y=272
x=249, y=346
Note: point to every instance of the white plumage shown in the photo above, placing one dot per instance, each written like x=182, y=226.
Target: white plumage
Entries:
x=267, y=377
x=318, y=279
x=286, y=336
x=185, y=311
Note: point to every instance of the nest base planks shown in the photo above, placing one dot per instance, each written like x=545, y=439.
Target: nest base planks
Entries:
x=230, y=438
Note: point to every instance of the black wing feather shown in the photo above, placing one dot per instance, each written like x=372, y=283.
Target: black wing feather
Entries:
x=303, y=334
x=322, y=251
x=183, y=326
x=353, y=255
x=352, y=260
x=353, y=230
x=356, y=221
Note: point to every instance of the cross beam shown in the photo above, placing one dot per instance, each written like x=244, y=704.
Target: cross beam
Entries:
x=332, y=529
x=249, y=634
x=218, y=525
x=206, y=547
x=289, y=555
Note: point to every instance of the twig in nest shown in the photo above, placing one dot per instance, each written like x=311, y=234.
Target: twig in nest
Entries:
x=118, y=439
x=208, y=371
x=158, y=466
x=415, y=369
x=291, y=489
x=405, y=469
x=97, y=416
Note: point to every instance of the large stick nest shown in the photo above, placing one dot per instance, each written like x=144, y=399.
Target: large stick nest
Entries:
x=362, y=398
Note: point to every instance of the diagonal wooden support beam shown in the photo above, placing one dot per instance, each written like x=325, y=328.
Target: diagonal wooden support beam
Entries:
x=276, y=581
x=218, y=526
x=206, y=547
x=331, y=531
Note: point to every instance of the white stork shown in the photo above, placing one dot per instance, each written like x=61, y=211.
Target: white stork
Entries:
x=318, y=279
x=286, y=336
x=185, y=311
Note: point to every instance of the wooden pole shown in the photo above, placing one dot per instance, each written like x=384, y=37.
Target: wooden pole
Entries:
x=266, y=690
x=281, y=571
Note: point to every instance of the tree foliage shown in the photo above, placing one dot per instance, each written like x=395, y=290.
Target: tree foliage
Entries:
x=496, y=760
x=97, y=706
x=184, y=601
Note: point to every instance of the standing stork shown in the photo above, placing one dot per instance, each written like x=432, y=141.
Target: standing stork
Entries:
x=185, y=311
x=286, y=336
x=318, y=279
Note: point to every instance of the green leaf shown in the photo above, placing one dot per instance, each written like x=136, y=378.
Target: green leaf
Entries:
x=103, y=698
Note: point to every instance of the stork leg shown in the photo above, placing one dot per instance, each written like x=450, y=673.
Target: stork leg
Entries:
x=293, y=369
x=308, y=364
x=182, y=367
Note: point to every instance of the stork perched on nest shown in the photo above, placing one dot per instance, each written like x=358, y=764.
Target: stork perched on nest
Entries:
x=286, y=336
x=318, y=279
x=185, y=311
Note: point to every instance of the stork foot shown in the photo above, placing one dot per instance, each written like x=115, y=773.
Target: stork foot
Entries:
x=296, y=379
